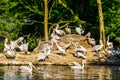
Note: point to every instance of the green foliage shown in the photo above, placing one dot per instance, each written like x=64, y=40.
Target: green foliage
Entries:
x=112, y=19
x=33, y=42
x=1, y=46
x=9, y=29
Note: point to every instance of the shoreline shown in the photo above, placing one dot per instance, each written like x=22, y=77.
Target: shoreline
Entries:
x=22, y=59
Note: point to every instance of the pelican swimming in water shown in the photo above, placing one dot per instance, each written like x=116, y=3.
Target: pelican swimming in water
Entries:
x=68, y=30
x=59, y=32
x=98, y=47
x=26, y=69
x=79, y=30
x=91, y=41
x=76, y=65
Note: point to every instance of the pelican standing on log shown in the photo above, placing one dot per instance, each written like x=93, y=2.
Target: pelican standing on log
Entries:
x=76, y=65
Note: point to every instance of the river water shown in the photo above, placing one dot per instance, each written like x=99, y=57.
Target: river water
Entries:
x=45, y=72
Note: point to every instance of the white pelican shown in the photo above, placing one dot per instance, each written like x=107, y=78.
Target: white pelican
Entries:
x=23, y=46
x=47, y=49
x=54, y=35
x=59, y=32
x=10, y=54
x=80, y=51
x=78, y=66
x=91, y=41
x=79, y=30
x=109, y=44
x=61, y=49
x=44, y=53
x=14, y=44
x=68, y=30
x=98, y=47
x=26, y=69
x=6, y=46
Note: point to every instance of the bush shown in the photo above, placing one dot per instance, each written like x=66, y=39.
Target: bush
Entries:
x=1, y=46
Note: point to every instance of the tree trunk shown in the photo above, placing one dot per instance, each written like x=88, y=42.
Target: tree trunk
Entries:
x=46, y=20
x=101, y=21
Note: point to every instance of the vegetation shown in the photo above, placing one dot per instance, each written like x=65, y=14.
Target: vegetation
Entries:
x=24, y=17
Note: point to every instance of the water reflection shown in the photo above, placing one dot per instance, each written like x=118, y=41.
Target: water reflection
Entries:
x=62, y=72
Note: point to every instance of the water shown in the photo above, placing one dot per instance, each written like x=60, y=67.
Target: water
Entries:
x=61, y=73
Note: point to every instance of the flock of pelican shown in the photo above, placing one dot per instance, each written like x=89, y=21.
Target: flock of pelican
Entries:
x=10, y=47
x=45, y=51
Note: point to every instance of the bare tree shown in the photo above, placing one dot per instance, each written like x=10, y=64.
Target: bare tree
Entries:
x=101, y=21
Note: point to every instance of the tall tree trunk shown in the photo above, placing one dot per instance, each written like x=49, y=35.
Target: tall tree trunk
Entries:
x=46, y=20
x=101, y=21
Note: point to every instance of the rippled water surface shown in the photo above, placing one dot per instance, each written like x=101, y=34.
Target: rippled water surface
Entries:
x=62, y=72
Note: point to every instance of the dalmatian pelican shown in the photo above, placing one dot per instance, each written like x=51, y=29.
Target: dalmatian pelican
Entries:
x=59, y=32
x=76, y=65
x=26, y=69
x=79, y=30
x=91, y=41
x=80, y=51
x=68, y=30
x=98, y=47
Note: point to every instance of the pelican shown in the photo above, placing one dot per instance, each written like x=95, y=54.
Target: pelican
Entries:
x=6, y=46
x=91, y=41
x=80, y=51
x=42, y=55
x=59, y=32
x=98, y=47
x=68, y=30
x=79, y=30
x=23, y=46
x=53, y=35
x=47, y=49
x=14, y=44
x=26, y=69
x=109, y=44
x=10, y=54
x=61, y=49
x=78, y=66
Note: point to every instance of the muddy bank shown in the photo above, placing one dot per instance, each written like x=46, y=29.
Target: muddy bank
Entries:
x=55, y=58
